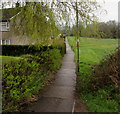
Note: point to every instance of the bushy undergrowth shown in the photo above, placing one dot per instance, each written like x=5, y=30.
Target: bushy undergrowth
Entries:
x=100, y=89
x=26, y=77
x=105, y=84
x=107, y=72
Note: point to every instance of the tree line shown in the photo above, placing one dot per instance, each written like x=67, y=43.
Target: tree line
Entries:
x=95, y=29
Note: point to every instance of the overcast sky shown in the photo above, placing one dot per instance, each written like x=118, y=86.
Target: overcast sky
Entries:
x=112, y=10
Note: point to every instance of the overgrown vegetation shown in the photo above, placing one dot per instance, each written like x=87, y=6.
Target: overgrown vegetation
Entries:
x=26, y=77
x=97, y=82
x=107, y=72
x=105, y=84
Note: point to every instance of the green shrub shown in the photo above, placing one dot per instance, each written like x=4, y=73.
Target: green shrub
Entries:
x=26, y=77
x=52, y=60
x=107, y=72
x=17, y=80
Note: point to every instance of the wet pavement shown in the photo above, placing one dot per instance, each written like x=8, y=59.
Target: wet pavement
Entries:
x=59, y=97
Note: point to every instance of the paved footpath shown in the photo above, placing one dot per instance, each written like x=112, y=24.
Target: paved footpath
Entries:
x=59, y=97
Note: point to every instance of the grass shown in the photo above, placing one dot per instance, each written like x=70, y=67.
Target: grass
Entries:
x=8, y=59
x=92, y=52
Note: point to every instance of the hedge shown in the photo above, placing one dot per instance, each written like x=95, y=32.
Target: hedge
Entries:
x=26, y=77
x=18, y=50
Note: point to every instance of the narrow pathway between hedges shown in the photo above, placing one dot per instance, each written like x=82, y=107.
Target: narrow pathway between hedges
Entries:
x=59, y=97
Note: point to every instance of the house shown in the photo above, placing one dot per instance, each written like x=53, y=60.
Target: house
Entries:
x=4, y=27
x=7, y=36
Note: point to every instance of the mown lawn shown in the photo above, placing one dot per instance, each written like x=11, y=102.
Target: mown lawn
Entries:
x=7, y=59
x=92, y=52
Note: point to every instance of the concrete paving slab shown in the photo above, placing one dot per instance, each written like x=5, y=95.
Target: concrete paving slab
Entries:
x=68, y=65
x=64, y=75
x=65, y=81
x=66, y=71
x=64, y=92
x=68, y=58
x=51, y=105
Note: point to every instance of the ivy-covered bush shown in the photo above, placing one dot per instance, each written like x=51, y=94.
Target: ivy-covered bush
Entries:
x=27, y=76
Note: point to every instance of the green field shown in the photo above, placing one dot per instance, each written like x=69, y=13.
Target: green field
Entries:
x=7, y=59
x=92, y=52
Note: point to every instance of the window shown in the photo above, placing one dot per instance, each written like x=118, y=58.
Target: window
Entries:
x=5, y=26
x=5, y=42
x=4, y=23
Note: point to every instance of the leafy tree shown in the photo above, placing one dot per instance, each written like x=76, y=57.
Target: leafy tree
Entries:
x=36, y=22
x=41, y=20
